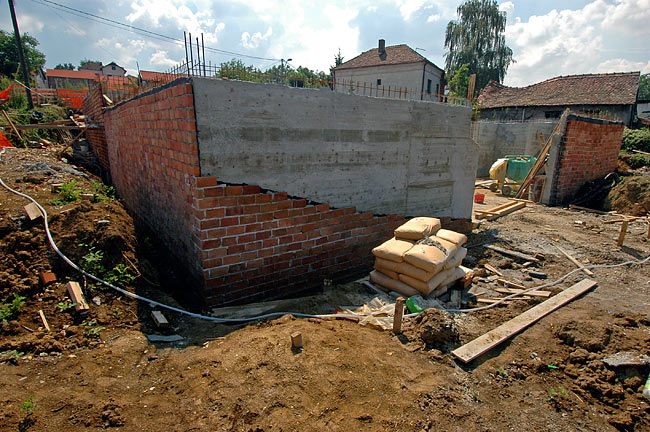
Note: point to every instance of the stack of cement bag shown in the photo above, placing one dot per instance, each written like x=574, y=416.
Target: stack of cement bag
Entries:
x=421, y=259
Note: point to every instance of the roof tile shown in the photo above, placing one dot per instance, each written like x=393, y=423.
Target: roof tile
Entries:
x=395, y=54
x=588, y=89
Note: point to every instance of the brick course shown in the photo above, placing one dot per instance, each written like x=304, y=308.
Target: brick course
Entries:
x=589, y=151
x=93, y=106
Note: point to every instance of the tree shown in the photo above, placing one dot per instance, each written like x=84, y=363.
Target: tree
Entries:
x=644, y=87
x=84, y=62
x=64, y=66
x=9, y=62
x=477, y=38
x=459, y=83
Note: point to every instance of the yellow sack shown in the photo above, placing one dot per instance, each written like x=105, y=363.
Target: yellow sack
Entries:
x=391, y=274
x=382, y=264
x=455, y=260
x=392, y=250
x=392, y=284
x=426, y=287
x=452, y=236
x=418, y=228
x=414, y=272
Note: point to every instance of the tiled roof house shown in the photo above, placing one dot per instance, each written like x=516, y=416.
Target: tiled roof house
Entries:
x=396, y=71
x=612, y=94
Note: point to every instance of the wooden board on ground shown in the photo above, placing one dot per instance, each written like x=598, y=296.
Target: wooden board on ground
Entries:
x=44, y=320
x=489, y=340
x=575, y=261
x=159, y=319
x=492, y=269
x=501, y=210
x=515, y=254
x=33, y=212
x=517, y=291
x=74, y=290
x=507, y=301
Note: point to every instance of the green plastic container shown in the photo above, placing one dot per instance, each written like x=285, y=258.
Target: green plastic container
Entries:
x=519, y=166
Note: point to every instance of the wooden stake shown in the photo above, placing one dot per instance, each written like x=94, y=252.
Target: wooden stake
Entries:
x=397, y=317
x=45, y=324
x=621, y=235
x=159, y=319
x=74, y=290
x=13, y=128
x=492, y=269
x=296, y=340
x=33, y=212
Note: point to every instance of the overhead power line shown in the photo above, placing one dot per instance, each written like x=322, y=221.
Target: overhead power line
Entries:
x=137, y=30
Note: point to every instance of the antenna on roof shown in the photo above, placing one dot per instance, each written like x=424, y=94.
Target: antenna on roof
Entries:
x=421, y=49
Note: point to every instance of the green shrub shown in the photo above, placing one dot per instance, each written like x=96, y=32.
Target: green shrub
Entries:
x=9, y=309
x=68, y=193
x=636, y=139
x=636, y=161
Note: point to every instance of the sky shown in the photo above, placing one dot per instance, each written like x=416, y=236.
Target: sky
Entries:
x=548, y=38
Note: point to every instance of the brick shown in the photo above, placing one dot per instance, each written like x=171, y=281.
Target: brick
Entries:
x=229, y=221
x=234, y=190
x=206, y=181
x=47, y=277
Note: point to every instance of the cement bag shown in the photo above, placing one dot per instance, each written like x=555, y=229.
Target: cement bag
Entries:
x=456, y=273
x=414, y=272
x=382, y=264
x=392, y=284
x=392, y=250
x=452, y=236
x=391, y=274
x=455, y=260
x=418, y=228
x=430, y=254
x=426, y=287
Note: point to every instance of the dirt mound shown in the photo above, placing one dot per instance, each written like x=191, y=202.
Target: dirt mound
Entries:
x=435, y=328
x=631, y=196
x=592, y=338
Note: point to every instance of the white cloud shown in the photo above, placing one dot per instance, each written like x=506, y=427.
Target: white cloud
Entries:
x=161, y=58
x=372, y=9
x=408, y=7
x=253, y=41
x=622, y=65
x=629, y=16
x=508, y=7
x=29, y=23
x=125, y=54
x=433, y=18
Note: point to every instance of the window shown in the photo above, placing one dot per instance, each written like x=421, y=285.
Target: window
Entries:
x=438, y=89
x=428, y=86
x=378, y=82
x=113, y=67
x=552, y=114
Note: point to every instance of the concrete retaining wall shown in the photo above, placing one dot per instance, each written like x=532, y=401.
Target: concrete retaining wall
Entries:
x=497, y=139
x=379, y=155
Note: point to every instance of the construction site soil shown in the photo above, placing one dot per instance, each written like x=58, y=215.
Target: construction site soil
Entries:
x=99, y=370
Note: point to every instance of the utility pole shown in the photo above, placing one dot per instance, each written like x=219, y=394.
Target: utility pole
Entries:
x=282, y=62
x=21, y=55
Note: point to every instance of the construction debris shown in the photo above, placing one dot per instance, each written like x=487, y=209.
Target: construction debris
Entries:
x=521, y=256
x=501, y=210
x=74, y=290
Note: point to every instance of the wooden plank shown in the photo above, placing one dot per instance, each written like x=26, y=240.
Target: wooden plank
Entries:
x=13, y=128
x=491, y=339
x=159, y=319
x=33, y=212
x=575, y=261
x=494, y=210
x=494, y=300
x=45, y=324
x=518, y=290
x=511, y=284
x=641, y=152
x=629, y=219
x=492, y=269
x=487, y=212
x=621, y=235
x=541, y=159
x=515, y=254
x=74, y=290
x=517, y=206
x=588, y=210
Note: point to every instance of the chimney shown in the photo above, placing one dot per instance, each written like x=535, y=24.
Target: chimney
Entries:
x=382, y=49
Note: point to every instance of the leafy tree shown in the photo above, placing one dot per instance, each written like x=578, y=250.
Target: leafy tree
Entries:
x=477, y=38
x=237, y=69
x=64, y=66
x=459, y=83
x=644, y=87
x=84, y=62
x=9, y=63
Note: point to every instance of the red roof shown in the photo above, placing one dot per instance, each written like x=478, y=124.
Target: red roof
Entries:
x=155, y=76
x=588, y=89
x=395, y=54
x=63, y=73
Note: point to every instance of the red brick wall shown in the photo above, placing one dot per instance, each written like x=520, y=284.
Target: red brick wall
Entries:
x=240, y=243
x=93, y=106
x=153, y=155
x=257, y=244
x=589, y=151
